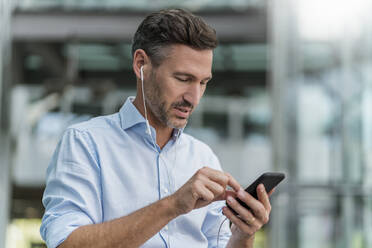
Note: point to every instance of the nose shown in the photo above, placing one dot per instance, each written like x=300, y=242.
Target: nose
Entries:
x=193, y=94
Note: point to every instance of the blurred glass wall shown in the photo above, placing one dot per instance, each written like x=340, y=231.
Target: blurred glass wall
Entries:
x=5, y=45
x=321, y=78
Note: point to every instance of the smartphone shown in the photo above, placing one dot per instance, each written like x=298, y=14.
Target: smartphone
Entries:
x=269, y=179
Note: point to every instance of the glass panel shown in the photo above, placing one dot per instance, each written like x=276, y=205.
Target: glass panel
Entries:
x=24, y=233
x=98, y=56
x=315, y=231
x=315, y=141
x=5, y=45
x=322, y=65
x=139, y=4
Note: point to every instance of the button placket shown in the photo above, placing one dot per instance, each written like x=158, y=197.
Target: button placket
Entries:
x=166, y=182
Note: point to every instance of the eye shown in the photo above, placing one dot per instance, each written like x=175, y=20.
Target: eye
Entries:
x=182, y=79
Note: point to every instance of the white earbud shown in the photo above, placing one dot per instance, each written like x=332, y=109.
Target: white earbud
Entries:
x=141, y=72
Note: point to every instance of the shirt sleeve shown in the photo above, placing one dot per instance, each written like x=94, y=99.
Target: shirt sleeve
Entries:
x=214, y=226
x=72, y=197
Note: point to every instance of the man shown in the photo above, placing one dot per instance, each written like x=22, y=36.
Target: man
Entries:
x=120, y=181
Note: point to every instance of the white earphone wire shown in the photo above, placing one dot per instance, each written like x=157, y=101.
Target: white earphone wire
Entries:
x=144, y=101
x=148, y=129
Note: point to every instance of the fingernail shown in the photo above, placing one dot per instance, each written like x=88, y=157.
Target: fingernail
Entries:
x=223, y=210
x=230, y=199
x=262, y=188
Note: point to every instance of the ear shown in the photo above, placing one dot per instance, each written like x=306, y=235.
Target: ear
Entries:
x=140, y=59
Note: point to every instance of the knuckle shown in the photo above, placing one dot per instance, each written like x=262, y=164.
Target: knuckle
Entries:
x=254, y=228
x=210, y=197
x=220, y=190
x=250, y=232
x=262, y=209
x=266, y=219
x=247, y=219
x=226, y=178
x=199, y=175
x=195, y=185
x=258, y=226
x=246, y=216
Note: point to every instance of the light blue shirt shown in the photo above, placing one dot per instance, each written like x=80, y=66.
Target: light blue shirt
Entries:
x=108, y=167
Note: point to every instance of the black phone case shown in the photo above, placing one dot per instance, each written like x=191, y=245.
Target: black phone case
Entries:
x=268, y=179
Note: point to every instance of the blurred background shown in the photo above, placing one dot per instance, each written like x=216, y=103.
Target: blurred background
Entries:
x=291, y=92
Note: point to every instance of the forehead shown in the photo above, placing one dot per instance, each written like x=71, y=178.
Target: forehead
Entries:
x=187, y=59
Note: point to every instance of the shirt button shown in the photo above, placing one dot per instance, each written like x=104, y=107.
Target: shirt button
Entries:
x=166, y=228
x=165, y=190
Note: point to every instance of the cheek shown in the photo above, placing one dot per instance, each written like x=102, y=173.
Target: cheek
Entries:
x=174, y=94
x=167, y=98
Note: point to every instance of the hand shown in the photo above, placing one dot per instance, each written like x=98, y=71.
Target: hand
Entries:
x=249, y=221
x=205, y=186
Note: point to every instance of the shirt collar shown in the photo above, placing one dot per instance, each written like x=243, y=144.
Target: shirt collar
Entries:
x=129, y=114
x=130, y=117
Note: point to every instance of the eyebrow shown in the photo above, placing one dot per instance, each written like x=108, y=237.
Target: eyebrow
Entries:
x=190, y=75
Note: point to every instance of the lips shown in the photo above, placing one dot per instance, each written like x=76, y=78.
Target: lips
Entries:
x=182, y=112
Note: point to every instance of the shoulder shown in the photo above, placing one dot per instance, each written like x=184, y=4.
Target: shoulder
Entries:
x=84, y=138
x=95, y=131
x=97, y=124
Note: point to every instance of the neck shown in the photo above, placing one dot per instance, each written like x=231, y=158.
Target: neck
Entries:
x=163, y=132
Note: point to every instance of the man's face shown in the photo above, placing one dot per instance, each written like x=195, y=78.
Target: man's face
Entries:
x=174, y=88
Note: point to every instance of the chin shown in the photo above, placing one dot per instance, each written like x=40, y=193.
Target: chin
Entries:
x=178, y=123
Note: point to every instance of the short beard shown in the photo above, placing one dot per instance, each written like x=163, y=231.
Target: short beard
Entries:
x=157, y=106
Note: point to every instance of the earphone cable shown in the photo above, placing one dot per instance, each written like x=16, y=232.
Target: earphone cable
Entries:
x=143, y=94
x=219, y=230
x=144, y=106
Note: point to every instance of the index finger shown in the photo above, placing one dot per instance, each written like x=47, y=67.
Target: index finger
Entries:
x=217, y=176
x=233, y=183
x=263, y=196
